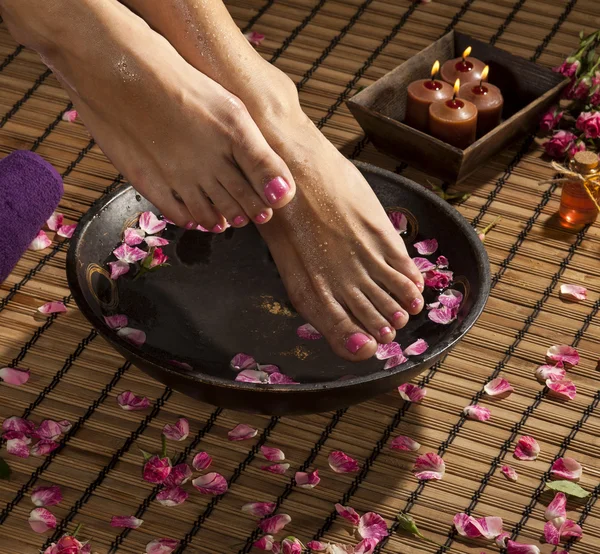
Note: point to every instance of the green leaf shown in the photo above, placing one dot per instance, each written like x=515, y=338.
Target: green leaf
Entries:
x=4, y=470
x=581, y=35
x=146, y=455
x=568, y=487
x=407, y=523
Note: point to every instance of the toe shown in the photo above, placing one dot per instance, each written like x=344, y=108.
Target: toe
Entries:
x=370, y=317
x=403, y=289
x=404, y=264
x=201, y=209
x=263, y=168
x=171, y=207
x=226, y=204
x=387, y=306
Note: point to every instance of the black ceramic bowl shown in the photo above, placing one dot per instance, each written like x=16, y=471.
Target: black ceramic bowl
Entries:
x=222, y=295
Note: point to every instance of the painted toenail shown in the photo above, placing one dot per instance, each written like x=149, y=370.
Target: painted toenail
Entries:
x=416, y=303
x=190, y=225
x=276, y=189
x=420, y=286
x=239, y=220
x=384, y=331
x=261, y=217
x=218, y=228
x=399, y=315
x=356, y=342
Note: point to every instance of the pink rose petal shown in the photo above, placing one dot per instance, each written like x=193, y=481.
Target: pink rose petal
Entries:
x=527, y=448
x=411, y=393
x=348, y=513
x=281, y=379
x=570, y=530
x=443, y=315
x=467, y=526
x=501, y=539
x=156, y=241
x=438, y=278
x=395, y=361
x=268, y=368
x=340, y=462
x=201, y=461
x=308, y=332
x=14, y=375
x=44, y=447
x=126, y=522
x=66, y=231
x=211, y=483
x=46, y=496
x=372, y=526
x=274, y=524
x=254, y=38
x=182, y=365
x=557, y=509
x=491, y=527
x=116, y=321
x=307, y=480
x=150, y=224
x=65, y=425
x=416, y=348
x=179, y=431
x=405, y=444
x=551, y=534
x=69, y=116
x=55, y=221
x=117, y=269
x=567, y=468
x=53, y=308
x=272, y=454
x=18, y=447
x=129, y=254
x=291, y=545
x=513, y=547
x=129, y=401
x=264, y=543
x=479, y=413
x=573, y=292
x=41, y=520
x=317, y=546
x=259, y=509
x=157, y=469
x=277, y=469
x=509, y=473
x=133, y=237
x=423, y=264
x=19, y=425
x=134, y=336
x=399, y=221
x=162, y=546
x=180, y=475
x=242, y=432
x=426, y=247
x=48, y=429
x=498, y=387
x=40, y=242
x=429, y=466
x=157, y=259
x=550, y=372
x=366, y=546
x=562, y=353
x=172, y=496
x=386, y=351
x=252, y=376
x=442, y=262
x=564, y=389
x=451, y=298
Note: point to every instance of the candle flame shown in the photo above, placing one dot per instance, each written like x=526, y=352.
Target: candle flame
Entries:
x=484, y=73
x=435, y=68
x=467, y=52
x=456, y=87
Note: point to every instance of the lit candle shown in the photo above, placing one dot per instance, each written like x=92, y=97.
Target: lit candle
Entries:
x=488, y=101
x=467, y=69
x=454, y=121
x=420, y=95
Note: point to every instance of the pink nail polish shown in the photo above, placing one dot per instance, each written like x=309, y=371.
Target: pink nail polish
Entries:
x=239, y=220
x=190, y=225
x=218, y=228
x=399, y=315
x=420, y=286
x=356, y=342
x=261, y=217
x=276, y=189
x=384, y=331
x=416, y=303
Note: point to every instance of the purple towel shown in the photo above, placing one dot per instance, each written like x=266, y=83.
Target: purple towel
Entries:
x=30, y=190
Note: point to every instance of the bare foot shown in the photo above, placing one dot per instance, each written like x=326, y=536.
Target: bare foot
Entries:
x=185, y=142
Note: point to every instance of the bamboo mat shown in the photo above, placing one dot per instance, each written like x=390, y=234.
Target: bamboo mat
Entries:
x=330, y=48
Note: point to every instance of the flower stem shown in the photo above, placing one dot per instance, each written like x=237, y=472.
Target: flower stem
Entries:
x=164, y=446
x=77, y=529
x=487, y=229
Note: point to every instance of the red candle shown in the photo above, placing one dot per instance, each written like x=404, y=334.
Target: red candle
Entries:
x=488, y=101
x=420, y=95
x=467, y=69
x=454, y=121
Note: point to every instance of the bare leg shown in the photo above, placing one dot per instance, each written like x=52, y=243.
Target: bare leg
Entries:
x=176, y=134
x=345, y=268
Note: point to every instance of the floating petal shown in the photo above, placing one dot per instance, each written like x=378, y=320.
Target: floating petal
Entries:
x=423, y=264
x=116, y=321
x=14, y=375
x=399, y=221
x=126, y=522
x=451, y=298
x=172, y=496
x=242, y=432
x=563, y=353
x=307, y=480
x=156, y=241
x=479, y=413
x=527, y=448
x=179, y=431
x=438, y=278
x=211, y=483
x=567, y=468
x=562, y=389
x=129, y=401
x=259, y=509
x=395, y=361
x=386, y=351
x=405, y=444
x=129, y=254
x=117, y=269
x=416, y=348
x=46, y=496
x=134, y=336
x=573, y=292
x=53, y=308
x=442, y=262
x=252, y=376
x=411, y=393
x=348, y=513
x=40, y=242
x=281, y=379
x=443, y=315
x=308, y=332
x=426, y=247
x=274, y=524
x=201, y=461
x=340, y=462
x=133, y=237
x=509, y=473
x=41, y=520
x=429, y=466
x=150, y=224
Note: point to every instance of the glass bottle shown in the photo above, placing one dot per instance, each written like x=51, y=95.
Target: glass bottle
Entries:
x=577, y=209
